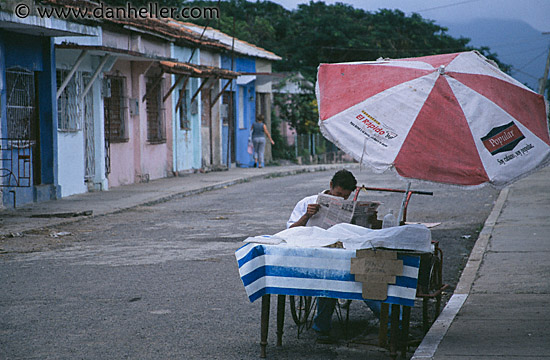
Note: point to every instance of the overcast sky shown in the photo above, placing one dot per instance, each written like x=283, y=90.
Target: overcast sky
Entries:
x=534, y=12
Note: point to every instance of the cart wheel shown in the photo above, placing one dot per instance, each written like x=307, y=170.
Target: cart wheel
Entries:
x=300, y=308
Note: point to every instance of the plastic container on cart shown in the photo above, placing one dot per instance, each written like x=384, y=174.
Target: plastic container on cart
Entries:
x=389, y=220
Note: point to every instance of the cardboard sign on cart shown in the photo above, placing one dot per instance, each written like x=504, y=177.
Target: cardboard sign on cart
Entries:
x=375, y=269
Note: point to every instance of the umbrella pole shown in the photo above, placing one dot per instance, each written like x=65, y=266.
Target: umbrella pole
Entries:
x=403, y=204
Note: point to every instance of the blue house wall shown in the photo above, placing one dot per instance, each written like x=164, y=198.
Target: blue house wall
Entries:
x=33, y=53
x=187, y=142
x=248, y=110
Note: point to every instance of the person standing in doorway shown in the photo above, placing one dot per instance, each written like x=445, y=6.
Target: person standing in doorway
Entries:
x=259, y=132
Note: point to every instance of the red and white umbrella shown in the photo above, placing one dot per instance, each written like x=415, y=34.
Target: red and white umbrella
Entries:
x=452, y=118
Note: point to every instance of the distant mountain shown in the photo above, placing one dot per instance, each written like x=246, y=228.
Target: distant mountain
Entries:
x=516, y=43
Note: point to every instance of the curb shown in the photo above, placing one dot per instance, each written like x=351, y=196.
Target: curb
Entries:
x=220, y=185
x=438, y=330
x=185, y=193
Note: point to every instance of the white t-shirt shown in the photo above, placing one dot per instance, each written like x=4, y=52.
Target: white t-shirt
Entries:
x=301, y=208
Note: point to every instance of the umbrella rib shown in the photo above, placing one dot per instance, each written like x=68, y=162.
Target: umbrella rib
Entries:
x=364, y=151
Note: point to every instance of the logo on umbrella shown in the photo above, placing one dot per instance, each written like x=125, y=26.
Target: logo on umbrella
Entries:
x=502, y=138
x=375, y=125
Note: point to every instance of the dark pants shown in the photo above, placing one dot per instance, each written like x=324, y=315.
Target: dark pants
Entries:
x=325, y=307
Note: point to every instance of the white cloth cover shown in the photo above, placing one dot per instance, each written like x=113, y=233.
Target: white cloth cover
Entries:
x=416, y=237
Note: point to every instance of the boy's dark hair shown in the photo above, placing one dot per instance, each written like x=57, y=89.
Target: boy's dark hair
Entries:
x=344, y=179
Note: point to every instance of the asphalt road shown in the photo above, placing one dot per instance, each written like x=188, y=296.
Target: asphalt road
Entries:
x=161, y=282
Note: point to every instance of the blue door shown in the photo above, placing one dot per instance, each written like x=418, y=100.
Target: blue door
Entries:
x=246, y=110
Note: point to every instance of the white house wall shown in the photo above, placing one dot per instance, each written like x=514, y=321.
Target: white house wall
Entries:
x=263, y=83
x=71, y=165
x=82, y=40
x=99, y=181
x=71, y=144
x=135, y=42
x=155, y=48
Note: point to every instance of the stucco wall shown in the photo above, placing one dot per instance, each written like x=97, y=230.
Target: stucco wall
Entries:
x=186, y=142
x=35, y=53
x=71, y=163
x=136, y=42
x=138, y=160
x=212, y=137
x=122, y=154
x=263, y=84
x=156, y=159
x=71, y=144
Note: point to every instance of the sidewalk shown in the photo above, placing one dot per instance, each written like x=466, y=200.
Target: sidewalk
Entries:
x=501, y=307
x=73, y=208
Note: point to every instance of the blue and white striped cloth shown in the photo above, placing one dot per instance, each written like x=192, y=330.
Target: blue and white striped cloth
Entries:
x=322, y=272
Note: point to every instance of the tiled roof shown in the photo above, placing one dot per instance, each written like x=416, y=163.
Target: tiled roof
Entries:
x=183, y=32
x=162, y=27
x=240, y=46
x=197, y=70
x=110, y=50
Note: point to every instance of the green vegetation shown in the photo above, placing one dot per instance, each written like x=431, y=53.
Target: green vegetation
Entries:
x=318, y=33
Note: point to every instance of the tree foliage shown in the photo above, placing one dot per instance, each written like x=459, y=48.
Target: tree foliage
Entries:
x=299, y=111
x=318, y=33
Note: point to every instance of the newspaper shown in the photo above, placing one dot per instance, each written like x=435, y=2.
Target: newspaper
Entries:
x=335, y=210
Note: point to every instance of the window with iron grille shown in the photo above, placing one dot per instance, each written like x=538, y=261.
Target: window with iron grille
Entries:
x=19, y=158
x=20, y=105
x=185, y=124
x=155, y=111
x=69, y=107
x=116, y=109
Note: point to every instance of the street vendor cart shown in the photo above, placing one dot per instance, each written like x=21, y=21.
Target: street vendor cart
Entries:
x=379, y=273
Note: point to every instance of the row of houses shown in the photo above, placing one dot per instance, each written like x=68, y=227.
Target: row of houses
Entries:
x=93, y=104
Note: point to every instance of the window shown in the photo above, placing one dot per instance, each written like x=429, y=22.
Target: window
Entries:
x=20, y=106
x=155, y=110
x=20, y=163
x=69, y=107
x=115, y=108
x=185, y=124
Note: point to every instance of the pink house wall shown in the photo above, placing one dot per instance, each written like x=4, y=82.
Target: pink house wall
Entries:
x=288, y=132
x=138, y=160
x=122, y=155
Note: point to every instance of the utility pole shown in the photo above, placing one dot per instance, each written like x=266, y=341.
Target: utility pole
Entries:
x=542, y=83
